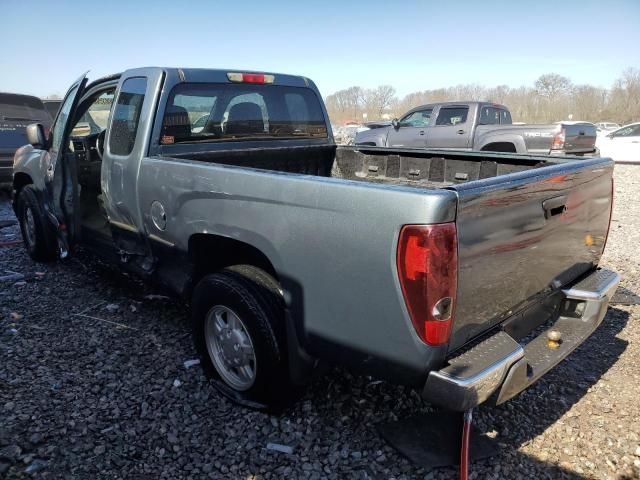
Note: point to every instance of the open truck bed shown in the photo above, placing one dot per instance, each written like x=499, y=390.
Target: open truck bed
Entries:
x=526, y=224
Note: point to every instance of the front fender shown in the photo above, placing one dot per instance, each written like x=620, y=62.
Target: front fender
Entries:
x=375, y=137
x=32, y=162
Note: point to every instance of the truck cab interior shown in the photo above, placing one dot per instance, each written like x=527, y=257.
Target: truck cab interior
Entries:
x=87, y=146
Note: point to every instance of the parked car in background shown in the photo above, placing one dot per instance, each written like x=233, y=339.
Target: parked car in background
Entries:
x=480, y=126
x=199, y=124
x=378, y=124
x=606, y=126
x=16, y=112
x=346, y=134
x=622, y=145
x=440, y=270
x=52, y=106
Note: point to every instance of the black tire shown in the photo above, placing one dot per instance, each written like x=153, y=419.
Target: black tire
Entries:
x=39, y=238
x=254, y=296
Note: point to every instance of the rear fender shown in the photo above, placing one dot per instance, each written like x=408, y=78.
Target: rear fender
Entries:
x=516, y=140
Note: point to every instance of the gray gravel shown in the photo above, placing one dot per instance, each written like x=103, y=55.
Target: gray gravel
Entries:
x=93, y=385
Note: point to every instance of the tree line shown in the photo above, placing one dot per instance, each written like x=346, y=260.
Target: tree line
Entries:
x=552, y=97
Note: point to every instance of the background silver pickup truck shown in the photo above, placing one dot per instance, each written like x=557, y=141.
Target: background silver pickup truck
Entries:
x=437, y=269
x=480, y=126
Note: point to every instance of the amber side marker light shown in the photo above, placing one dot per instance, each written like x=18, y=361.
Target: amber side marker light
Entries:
x=427, y=263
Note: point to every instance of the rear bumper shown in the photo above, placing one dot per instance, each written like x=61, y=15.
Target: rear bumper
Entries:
x=499, y=368
x=592, y=152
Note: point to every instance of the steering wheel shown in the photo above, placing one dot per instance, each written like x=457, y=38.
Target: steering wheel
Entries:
x=100, y=143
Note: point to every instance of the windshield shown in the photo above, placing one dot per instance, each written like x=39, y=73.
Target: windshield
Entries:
x=231, y=112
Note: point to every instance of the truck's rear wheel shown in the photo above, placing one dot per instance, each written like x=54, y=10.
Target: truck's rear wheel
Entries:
x=238, y=323
x=38, y=236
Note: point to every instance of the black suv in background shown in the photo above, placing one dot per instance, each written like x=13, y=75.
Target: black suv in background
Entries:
x=16, y=112
x=51, y=106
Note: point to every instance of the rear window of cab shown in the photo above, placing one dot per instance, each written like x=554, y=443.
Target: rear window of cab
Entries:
x=15, y=107
x=215, y=112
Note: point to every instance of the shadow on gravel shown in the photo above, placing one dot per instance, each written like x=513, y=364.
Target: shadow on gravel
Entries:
x=538, y=408
x=568, y=382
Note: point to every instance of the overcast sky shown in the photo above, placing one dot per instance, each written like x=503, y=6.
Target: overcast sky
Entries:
x=411, y=45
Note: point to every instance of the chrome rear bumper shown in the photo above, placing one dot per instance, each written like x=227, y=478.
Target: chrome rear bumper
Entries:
x=499, y=367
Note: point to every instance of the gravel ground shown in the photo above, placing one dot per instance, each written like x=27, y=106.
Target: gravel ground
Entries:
x=93, y=385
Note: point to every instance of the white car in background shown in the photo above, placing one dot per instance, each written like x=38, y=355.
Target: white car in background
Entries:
x=606, y=127
x=622, y=145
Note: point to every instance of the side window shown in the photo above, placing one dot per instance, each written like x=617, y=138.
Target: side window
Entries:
x=126, y=116
x=421, y=118
x=58, y=129
x=489, y=116
x=505, y=117
x=449, y=116
x=631, y=131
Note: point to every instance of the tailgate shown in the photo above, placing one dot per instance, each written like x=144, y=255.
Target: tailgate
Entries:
x=523, y=235
x=579, y=137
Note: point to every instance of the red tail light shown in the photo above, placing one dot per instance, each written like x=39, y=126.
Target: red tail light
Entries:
x=427, y=264
x=613, y=191
x=260, y=78
x=558, y=140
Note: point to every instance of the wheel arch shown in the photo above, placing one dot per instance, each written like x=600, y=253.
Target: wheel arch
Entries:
x=500, y=146
x=226, y=252
x=209, y=253
x=21, y=180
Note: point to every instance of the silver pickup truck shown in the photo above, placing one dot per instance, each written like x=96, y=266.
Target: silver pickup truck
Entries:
x=480, y=126
x=442, y=270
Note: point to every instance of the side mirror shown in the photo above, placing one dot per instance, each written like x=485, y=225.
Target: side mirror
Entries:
x=395, y=123
x=35, y=135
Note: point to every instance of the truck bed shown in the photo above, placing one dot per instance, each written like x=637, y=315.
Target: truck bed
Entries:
x=527, y=225
x=417, y=168
x=427, y=168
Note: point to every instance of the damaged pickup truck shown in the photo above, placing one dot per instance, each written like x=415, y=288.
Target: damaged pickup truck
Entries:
x=467, y=275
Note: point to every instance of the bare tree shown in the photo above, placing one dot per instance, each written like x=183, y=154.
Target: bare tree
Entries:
x=383, y=98
x=551, y=85
x=551, y=98
x=625, y=96
x=553, y=90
